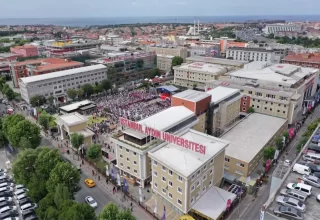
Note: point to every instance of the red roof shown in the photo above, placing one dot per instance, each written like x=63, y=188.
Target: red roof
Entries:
x=306, y=57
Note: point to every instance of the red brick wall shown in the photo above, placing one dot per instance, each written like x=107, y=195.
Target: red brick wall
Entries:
x=245, y=103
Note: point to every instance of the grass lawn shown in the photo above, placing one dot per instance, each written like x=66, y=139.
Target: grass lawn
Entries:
x=97, y=120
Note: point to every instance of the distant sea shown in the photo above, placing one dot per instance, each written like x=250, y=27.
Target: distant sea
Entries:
x=133, y=20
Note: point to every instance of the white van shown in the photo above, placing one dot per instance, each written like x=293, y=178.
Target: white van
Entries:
x=302, y=169
x=6, y=184
x=300, y=187
x=312, y=157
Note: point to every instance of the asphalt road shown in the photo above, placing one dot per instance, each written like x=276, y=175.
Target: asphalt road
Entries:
x=97, y=192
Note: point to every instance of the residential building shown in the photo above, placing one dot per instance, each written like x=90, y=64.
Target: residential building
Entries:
x=212, y=51
x=4, y=68
x=39, y=66
x=25, y=51
x=83, y=107
x=56, y=84
x=181, y=176
x=252, y=54
x=8, y=57
x=247, y=141
x=197, y=102
x=213, y=60
x=195, y=75
x=305, y=60
x=273, y=28
x=74, y=123
x=60, y=47
x=280, y=90
x=164, y=62
x=132, y=147
x=171, y=51
x=224, y=109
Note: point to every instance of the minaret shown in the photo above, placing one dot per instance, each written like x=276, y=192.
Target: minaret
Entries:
x=198, y=27
x=194, y=26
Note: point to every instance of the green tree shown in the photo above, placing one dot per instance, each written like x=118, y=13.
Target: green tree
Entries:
x=50, y=100
x=10, y=121
x=37, y=100
x=279, y=143
x=2, y=83
x=94, y=152
x=111, y=70
x=10, y=94
x=44, y=120
x=61, y=194
x=24, y=143
x=63, y=173
x=268, y=153
x=44, y=205
x=79, y=211
x=24, y=129
x=106, y=84
x=88, y=89
x=97, y=89
x=72, y=93
x=286, y=135
x=154, y=72
x=250, y=110
x=112, y=212
x=37, y=188
x=77, y=140
x=46, y=161
x=176, y=61
x=52, y=213
x=3, y=140
x=80, y=93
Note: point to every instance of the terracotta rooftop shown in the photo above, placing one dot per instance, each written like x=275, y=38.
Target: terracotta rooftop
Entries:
x=307, y=57
x=59, y=66
x=48, y=62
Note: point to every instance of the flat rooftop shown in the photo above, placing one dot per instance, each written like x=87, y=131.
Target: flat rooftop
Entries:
x=284, y=74
x=203, y=67
x=191, y=95
x=63, y=73
x=75, y=105
x=186, y=161
x=220, y=61
x=250, y=135
x=221, y=93
x=72, y=119
x=216, y=196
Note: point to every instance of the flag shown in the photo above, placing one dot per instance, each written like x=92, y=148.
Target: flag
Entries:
x=112, y=173
x=125, y=185
x=155, y=207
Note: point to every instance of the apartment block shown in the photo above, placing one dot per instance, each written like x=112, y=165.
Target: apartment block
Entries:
x=25, y=51
x=251, y=54
x=169, y=50
x=305, y=60
x=164, y=62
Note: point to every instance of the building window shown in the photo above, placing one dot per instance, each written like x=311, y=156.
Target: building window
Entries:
x=270, y=109
x=250, y=92
x=192, y=200
x=244, y=103
x=258, y=94
x=164, y=191
x=211, y=162
x=136, y=171
x=170, y=195
x=120, y=155
x=244, y=109
x=170, y=183
x=204, y=188
x=120, y=147
x=155, y=173
x=135, y=162
x=226, y=167
x=204, y=177
x=205, y=167
x=128, y=168
x=155, y=185
x=127, y=150
x=211, y=171
x=170, y=172
x=179, y=190
x=163, y=168
x=128, y=159
x=192, y=188
x=121, y=164
x=210, y=183
x=192, y=178
x=240, y=164
x=227, y=159
x=134, y=153
x=179, y=202
x=284, y=112
x=164, y=179
x=245, y=98
x=198, y=183
x=180, y=178
x=198, y=173
x=197, y=196
x=239, y=172
x=155, y=163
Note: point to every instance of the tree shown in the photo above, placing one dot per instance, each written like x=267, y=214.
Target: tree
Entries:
x=24, y=143
x=111, y=70
x=37, y=100
x=250, y=110
x=286, y=135
x=80, y=93
x=27, y=130
x=10, y=94
x=112, y=212
x=94, y=152
x=10, y=121
x=2, y=83
x=154, y=72
x=61, y=194
x=279, y=143
x=106, y=84
x=63, y=173
x=50, y=100
x=3, y=140
x=72, y=93
x=37, y=187
x=44, y=120
x=44, y=205
x=88, y=90
x=79, y=211
x=98, y=89
x=77, y=140
x=268, y=153
x=46, y=161
x=176, y=61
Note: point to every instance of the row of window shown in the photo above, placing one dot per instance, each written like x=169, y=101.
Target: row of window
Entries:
x=265, y=108
x=199, y=171
x=266, y=102
x=164, y=191
x=155, y=163
x=270, y=96
x=197, y=184
x=127, y=150
x=192, y=200
x=128, y=168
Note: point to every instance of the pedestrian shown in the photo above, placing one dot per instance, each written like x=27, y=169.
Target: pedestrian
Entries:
x=92, y=172
x=131, y=206
x=114, y=189
x=107, y=181
x=98, y=178
x=82, y=162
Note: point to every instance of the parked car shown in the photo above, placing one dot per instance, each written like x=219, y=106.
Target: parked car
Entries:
x=317, y=174
x=311, y=180
x=6, y=184
x=313, y=167
x=19, y=186
x=8, y=214
x=3, y=174
x=19, y=192
x=11, y=218
x=318, y=198
x=8, y=208
x=28, y=206
x=294, y=194
x=291, y=202
x=91, y=202
x=6, y=194
x=288, y=212
x=5, y=203
x=3, y=170
x=24, y=201
x=28, y=212
x=301, y=169
x=314, y=147
x=300, y=187
x=31, y=217
x=5, y=199
x=287, y=163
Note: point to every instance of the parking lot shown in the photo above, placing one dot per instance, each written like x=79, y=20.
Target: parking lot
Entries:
x=312, y=206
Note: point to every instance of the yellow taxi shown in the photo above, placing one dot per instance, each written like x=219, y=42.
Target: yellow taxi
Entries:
x=90, y=183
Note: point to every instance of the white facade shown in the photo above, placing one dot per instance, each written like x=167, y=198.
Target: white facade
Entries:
x=273, y=28
x=56, y=84
x=249, y=54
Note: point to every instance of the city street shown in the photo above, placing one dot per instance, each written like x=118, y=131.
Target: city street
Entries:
x=253, y=211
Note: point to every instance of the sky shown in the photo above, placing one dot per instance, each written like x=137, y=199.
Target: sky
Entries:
x=140, y=8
